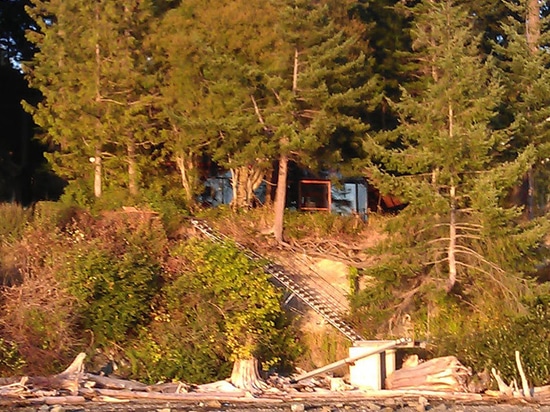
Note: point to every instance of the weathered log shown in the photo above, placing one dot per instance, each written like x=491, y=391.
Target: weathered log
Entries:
x=502, y=387
x=439, y=374
x=115, y=383
x=218, y=386
x=170, y=387
x=69, y=379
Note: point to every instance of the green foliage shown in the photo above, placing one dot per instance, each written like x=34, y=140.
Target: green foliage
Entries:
x=241, y=291
x=54, y=215
x=353, y=277
x=299, y=225
x=13, y=219
x=218, y=307
x=169, y=204
x=11, y=361
x=79, y=193
x=373, y=305
x=457, y=233
x=173, y=350
x=495, y=344
x=114, y=271
x=113, y=292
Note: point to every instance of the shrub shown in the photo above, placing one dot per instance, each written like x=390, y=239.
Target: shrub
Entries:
x=220, y=307
x=113, y=292
x=528, y=334
x=11, y=361
x=37, y=312
x=321, y=224
x=114, y=271
x=13, y=219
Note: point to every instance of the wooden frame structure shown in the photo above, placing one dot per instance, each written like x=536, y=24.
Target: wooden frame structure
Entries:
x=315, y=195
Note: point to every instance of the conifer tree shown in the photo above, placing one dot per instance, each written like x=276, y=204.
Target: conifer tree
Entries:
x=524, y=64
x=269, y=81
x=92, y=71
x=444, y=159
x=315, y=97
x=209, y=84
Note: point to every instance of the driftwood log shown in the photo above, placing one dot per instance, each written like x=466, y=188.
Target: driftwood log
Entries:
x=439, y=374
x=70, y=379
x=440, y=379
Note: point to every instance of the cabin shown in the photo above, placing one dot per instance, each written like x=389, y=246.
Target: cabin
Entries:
x=324, y=192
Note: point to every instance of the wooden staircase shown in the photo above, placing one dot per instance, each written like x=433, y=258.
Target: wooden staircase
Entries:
x=315, y=293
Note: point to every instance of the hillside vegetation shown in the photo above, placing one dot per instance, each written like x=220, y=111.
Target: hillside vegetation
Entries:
x=142, y=293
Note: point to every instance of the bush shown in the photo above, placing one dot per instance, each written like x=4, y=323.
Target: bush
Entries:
x=528, y=334
x=13, y=219
x=114, y=271
x=37, y=312
x=219, y=307
x=321, y=224
x=11, y=361
x=113, y=292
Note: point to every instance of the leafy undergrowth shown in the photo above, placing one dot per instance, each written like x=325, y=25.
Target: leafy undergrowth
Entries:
x=115, y=286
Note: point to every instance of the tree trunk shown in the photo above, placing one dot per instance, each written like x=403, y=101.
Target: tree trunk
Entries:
x=245, y=375
x=280, y=193
x=132, y=168
x=98, y=171
x=68, y=379
x=185, y=166
x=280, y=199
x=533, y=33
x=532, y=23
x=245, y=180
x=451, y=252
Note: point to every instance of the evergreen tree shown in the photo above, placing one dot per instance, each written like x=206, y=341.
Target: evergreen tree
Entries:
x=524, y=65
x=314, y=98
x=456, y=233
x=264, y=82
x=208, y=89
x=92, y=70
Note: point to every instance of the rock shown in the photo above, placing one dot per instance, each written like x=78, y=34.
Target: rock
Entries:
x=440, y=407
x=297, y=407
x=371, y=406
x=213, y=404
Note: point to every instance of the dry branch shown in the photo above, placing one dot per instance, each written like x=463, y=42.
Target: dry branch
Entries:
x=524, y=384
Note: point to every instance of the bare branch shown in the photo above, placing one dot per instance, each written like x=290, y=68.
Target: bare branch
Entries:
x=277, y=96
x=489, y=274
x=468, y=251
x=257, y=110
